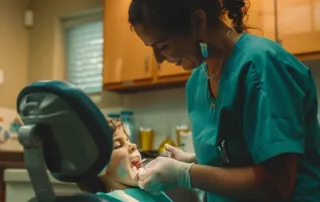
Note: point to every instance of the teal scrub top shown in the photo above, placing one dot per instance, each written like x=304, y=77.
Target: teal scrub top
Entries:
x=135, y=193
x=266, y=106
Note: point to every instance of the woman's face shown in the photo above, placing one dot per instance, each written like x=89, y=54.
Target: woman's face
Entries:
x=125, y=159
x=182, y=50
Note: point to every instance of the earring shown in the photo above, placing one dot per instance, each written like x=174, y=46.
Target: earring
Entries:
x=204, y=49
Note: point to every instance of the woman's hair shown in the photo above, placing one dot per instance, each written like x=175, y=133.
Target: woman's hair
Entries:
x=175, y=15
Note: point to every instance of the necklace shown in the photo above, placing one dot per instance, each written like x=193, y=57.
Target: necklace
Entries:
x=212, y=77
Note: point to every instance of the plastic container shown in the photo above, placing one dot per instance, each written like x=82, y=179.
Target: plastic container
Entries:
x=128, y=124
x=162, y=150
x=114, y=116
x=1, y=120
x=186, y=141
x=146, y=137
x=179, y=129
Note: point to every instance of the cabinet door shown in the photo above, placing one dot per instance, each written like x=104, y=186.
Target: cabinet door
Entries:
x=126, y=58
x=261, y=18
x=168, y=69
x=299, y=25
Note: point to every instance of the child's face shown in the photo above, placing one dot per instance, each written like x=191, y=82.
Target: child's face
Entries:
x=125, y=158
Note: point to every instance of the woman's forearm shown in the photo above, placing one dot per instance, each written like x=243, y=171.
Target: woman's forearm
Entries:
x=237, y=183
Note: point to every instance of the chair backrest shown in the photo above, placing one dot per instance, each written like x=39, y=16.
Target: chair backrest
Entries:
x=67, y=130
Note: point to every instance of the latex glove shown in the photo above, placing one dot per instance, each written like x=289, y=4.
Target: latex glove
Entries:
x=164, y=174
x=180, y=155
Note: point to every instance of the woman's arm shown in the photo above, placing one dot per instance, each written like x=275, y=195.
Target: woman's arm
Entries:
x=272, y=180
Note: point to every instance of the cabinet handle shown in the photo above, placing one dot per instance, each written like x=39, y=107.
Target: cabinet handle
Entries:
x=276, y=22
x=146, y=65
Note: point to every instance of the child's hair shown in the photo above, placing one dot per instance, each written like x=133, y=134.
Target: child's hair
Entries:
x=116, y=123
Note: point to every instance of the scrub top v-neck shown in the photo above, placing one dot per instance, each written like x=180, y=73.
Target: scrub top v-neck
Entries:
x=266, y=106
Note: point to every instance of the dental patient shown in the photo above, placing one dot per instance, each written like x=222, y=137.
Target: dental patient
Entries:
x=120, y=178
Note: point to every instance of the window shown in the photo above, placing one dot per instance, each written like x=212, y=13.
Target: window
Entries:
x=84, y=51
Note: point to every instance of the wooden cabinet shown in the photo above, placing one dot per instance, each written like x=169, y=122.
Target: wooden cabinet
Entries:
x=129, y=64
x=261, y=18
x=167, y=69
x=126, y=58
x=168, y=74
x=299, y=25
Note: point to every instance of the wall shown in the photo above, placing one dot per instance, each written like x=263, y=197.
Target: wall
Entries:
x=45, y=41
x=28, y=55
x=161, y=110
x=14, y=50
x=47, y=45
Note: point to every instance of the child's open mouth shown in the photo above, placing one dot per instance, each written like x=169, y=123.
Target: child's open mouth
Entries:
x=136, y=163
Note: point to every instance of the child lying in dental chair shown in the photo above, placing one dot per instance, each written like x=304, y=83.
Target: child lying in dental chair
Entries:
x=120, y=177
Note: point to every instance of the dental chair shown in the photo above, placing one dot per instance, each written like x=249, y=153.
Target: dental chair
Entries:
x=65, y=133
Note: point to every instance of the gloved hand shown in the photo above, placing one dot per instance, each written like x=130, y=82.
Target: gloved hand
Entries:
x=180, y=155
x=164, y=174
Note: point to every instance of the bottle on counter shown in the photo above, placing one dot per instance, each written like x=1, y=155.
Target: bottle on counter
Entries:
x=1, y=136
x=146, y=137
x=179, y=129
x=186, y=141
x=1, y=120
x=15, y=126
x=128, y=124
x=168, y=140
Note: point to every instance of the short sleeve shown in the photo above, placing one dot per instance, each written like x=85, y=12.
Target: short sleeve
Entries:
x=274, y=107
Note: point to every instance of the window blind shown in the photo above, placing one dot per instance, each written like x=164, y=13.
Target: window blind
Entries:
x=84, y=55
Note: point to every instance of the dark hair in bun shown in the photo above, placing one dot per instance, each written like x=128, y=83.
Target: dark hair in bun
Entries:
x=175, y=15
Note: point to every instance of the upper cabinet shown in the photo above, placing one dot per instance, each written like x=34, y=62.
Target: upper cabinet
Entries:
x=129, y=64
x=168, y=69
x=126, y=58
x=261, y=18
x=299, y=25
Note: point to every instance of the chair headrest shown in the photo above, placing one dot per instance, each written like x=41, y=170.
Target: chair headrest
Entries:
x=77, y=141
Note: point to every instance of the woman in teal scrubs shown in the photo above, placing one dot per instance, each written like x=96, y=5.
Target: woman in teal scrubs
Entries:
x=253, y=106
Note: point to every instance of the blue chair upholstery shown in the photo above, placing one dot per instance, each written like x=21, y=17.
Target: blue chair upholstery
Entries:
x=64, y=132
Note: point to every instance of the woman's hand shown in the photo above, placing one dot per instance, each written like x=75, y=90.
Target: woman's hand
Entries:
x=180, y=155
x=164, y=174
